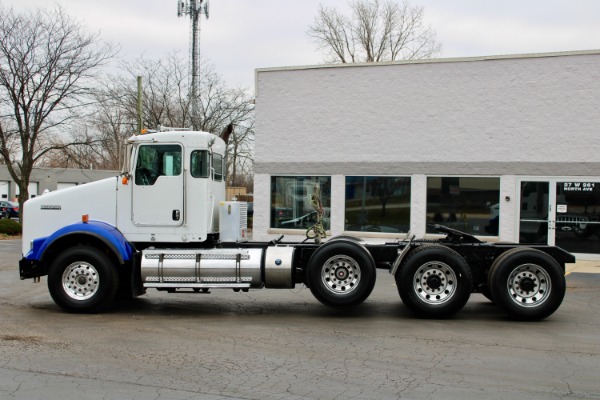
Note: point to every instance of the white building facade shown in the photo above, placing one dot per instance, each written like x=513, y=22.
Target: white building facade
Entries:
x=506, y=148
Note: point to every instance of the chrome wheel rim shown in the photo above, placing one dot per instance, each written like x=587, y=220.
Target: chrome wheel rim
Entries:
x=435, y=282
x=529, y=285
x=340, y=274
x=80, y=280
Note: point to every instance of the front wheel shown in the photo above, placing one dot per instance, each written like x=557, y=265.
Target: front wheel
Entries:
x=527, y=283
x=81, y=279
x=434, y=281
x=341, y=273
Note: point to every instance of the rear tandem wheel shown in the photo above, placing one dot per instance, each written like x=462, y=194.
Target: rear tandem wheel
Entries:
x=341, y=273
x=434, y=281
x=527, y=283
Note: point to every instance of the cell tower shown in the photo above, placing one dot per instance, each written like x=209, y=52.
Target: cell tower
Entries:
x=194, y=8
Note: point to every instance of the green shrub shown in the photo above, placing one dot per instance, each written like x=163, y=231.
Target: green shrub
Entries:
x=10, y=227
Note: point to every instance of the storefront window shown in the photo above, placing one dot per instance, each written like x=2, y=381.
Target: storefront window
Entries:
x=377, y=204
x=291, y=206
x=471, y=205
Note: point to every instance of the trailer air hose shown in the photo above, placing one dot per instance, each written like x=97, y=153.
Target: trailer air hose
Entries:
x=316, y=232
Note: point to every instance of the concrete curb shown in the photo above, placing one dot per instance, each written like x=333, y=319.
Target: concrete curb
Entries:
x=584, y=266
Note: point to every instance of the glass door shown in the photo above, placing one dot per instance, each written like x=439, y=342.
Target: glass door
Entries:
x=534, y=217
x=578, y=216
x=561, y=213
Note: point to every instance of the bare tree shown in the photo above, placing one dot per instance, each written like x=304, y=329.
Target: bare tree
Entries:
x=240, y=157
x=110, y=125
x=91, y=149
x=165, y=86
x=164, y=91
x=375, y=31
x=47, y=65
x=114, y=117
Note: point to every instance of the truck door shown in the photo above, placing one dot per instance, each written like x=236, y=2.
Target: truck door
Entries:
x=157, y=198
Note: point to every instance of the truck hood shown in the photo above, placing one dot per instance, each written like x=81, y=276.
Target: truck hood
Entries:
x=45, y=214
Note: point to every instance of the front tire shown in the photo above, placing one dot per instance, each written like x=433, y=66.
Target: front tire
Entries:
x=341, y=274
x=527, y=283
x=434, y=281
x=82, y=280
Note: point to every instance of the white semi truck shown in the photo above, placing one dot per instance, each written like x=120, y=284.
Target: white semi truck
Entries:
x=165, y=224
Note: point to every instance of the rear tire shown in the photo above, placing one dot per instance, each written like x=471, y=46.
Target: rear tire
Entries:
x=527, y=283
x=341, y=274
x=434, y=281
x=82, y=280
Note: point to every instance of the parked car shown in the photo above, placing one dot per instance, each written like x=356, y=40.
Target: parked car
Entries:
x=9, y=209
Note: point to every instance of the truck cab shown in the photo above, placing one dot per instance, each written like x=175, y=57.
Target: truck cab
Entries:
x=168, y=192
x=172, y=188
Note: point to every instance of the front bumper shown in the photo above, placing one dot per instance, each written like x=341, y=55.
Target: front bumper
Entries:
x=31, y=269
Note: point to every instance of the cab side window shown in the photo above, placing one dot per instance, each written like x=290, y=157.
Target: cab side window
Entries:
x=199, y=164
x=217, y=164
x=157, y=160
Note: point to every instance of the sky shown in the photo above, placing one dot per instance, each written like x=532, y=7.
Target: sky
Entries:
x=242, y=35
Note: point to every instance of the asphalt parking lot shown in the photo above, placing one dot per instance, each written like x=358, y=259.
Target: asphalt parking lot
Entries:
x=282, y=344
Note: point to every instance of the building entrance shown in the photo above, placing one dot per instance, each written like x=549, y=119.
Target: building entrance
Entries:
x=561, y=212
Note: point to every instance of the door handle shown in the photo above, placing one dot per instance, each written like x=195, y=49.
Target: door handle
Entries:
x=176, y=215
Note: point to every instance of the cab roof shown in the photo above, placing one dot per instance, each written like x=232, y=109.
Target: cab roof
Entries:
x=192, y=139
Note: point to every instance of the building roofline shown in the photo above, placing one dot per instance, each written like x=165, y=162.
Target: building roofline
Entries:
x=432, y=61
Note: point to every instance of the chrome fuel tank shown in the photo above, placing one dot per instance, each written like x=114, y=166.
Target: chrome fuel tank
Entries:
x=202, y=267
